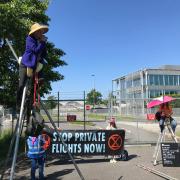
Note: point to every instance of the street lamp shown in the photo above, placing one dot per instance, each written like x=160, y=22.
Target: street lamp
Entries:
x=93, y=80
x=93, y=75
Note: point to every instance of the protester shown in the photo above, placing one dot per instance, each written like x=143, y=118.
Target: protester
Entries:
x=112, y=126
x=165, y=111
x=33, y=57
x=36, y=153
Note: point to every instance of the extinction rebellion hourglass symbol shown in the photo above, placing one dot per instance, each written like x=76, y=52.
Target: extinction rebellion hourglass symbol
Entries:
x=115, y=142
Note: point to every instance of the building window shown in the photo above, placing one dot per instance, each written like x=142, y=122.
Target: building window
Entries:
x=156, y=80
x=170, y=92
x=176, y=83
x=129, y=95
x=155, y=93
x=129, y=84
x=179, y=79
x=161, y=80
x=137, y=95
x=137, y=82
x=123, y=94
x=166, y=80
x=122, y=84
x=171, y=80
x=150, y=80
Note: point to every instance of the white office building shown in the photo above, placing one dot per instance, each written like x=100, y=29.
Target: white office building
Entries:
x=134, y=90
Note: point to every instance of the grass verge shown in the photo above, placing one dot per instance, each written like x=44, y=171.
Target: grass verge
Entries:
x=82, y=123
x=178, y=133
x=5, y=140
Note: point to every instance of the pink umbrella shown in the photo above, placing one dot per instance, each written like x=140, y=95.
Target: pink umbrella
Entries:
x=159, y=100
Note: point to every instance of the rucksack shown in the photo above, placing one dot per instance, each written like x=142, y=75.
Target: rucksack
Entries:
x=158, y=115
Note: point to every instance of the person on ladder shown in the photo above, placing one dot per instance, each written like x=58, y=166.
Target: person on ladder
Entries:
x=165, y=111
x=33, y=57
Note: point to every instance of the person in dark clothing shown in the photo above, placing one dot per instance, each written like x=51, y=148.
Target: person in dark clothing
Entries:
x=32, y=58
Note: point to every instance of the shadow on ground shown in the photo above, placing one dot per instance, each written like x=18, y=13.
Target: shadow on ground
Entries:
x=132, y=156
x=57, y=175
x=86, y=159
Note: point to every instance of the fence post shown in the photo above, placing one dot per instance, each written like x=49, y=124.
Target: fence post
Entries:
x=84, y=110
x=58, y=109
x=12, y=126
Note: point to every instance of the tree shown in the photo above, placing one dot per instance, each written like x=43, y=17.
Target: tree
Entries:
x=105, y=102
x=51, y=102
x=94, y=97
x=176, y=103
x=16, y=17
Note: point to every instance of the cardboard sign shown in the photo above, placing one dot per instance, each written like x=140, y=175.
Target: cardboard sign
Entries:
x=89, y=142
x=170, y=154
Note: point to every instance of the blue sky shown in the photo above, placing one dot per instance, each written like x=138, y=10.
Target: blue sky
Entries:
x=111, y=38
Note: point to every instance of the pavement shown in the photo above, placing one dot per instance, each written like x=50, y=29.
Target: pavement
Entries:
x=148, y=126
x=100, y=168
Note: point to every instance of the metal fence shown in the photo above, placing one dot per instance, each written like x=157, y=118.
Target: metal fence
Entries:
x=130, y=115
x=138, y=107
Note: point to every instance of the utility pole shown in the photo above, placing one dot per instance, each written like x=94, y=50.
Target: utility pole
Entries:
x=93, y=75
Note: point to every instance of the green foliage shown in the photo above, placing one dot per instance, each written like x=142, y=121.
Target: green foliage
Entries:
x=51, y=103
x=96, y=116
x=4, y=142
x=16, y=17
x=105, y=102
x=176, y=103
x=94, y=97
x=5, y=139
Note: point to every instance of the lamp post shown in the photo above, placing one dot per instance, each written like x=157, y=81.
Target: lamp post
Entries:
x=93, y=75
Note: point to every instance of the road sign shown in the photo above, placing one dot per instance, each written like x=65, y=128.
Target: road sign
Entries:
x=88, y=107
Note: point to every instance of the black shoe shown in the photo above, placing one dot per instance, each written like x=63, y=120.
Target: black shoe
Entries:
x=162, y=130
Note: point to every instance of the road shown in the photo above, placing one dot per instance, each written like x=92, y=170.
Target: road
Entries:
x=134, y=133
x=99, y=167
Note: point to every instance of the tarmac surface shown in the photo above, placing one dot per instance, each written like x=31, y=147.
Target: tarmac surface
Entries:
x=99, y=167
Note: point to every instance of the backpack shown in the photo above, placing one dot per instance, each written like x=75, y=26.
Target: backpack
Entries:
x=158, y=115
x=47, y=141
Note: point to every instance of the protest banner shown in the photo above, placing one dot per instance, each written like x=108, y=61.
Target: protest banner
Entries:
x=88, y=142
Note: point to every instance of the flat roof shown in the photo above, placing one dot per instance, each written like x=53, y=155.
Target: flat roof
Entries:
x=170, y=67
x=163, y=67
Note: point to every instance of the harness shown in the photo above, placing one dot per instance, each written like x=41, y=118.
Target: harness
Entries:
x=36, y=96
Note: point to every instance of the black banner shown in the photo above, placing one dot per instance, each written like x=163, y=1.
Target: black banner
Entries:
x=89, y=142
x=170, y=154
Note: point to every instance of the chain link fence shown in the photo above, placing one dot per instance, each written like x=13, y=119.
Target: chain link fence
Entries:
x=130, y=114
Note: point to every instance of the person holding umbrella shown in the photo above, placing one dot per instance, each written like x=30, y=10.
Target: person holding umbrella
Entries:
x=164, y=116
x=165, y=111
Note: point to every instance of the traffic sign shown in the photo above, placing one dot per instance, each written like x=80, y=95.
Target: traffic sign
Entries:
x=88, y=107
